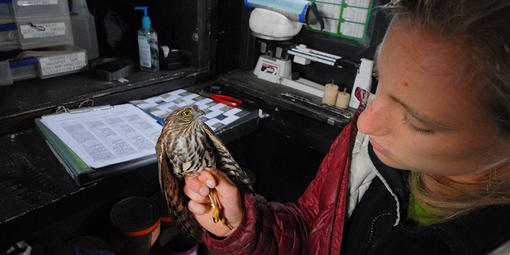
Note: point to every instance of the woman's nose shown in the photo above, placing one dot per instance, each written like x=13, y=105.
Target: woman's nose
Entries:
x=377, y=119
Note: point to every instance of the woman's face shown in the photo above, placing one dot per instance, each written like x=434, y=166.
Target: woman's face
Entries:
x=424, y=117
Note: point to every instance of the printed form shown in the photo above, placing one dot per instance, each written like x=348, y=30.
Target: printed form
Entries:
x=103, y=136
x=216, y=115
x=346, y=18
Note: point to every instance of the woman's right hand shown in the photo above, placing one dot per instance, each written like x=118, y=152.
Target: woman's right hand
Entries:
x=229, y=197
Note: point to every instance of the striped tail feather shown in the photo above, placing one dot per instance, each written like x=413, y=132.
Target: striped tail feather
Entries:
x=177, y=201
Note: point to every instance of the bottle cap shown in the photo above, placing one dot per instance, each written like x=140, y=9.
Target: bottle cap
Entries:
x=146, y=21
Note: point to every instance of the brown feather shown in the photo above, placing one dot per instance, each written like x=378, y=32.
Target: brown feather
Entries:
x=171, y=187
x=227, y=164
x=185, y=147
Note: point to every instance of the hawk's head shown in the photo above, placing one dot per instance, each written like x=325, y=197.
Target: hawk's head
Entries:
x=185, y=119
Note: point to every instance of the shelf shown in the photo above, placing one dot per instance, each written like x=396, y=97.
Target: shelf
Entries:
x=286, y=98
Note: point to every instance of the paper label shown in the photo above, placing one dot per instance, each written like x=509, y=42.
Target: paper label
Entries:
x=36, y=2
x=270, y=68
x=144, y=51
x=62, y=63
x=42, y=30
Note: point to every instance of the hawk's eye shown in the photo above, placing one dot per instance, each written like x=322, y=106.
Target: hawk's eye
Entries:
x=186, y=113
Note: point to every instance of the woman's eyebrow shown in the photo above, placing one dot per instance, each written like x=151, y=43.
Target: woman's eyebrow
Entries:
x=425, y=120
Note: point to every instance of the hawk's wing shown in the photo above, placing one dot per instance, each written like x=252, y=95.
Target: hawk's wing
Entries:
x=176, y=200
x=227, y=164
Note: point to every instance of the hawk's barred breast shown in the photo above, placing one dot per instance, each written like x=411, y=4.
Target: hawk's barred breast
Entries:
x=185, y=147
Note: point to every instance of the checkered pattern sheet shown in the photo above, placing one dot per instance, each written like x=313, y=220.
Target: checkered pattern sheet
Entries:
x=216, y=115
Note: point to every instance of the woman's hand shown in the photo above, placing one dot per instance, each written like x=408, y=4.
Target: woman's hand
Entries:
x=197, y=189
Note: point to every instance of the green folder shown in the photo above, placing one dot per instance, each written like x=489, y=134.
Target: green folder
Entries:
x=74, y=165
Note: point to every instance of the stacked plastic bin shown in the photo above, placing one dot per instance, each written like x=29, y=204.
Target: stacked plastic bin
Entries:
x=41, y=30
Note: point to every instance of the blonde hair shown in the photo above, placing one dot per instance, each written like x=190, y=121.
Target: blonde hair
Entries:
x=482, y=28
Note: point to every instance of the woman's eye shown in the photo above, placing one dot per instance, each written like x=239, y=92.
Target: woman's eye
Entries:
x=415, y=128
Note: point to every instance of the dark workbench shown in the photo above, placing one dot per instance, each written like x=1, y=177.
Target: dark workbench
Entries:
x=36, y=192
x=293, y=113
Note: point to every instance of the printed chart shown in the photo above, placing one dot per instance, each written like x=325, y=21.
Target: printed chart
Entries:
x=344, y=18
x=216, y=115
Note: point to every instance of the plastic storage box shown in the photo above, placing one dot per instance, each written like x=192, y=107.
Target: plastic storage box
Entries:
x=16, y=70
x=43, y=64
x=36, y=33
x=8, y=36
x=10, y=10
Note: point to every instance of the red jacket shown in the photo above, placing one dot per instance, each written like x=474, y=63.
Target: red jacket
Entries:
x=313, y=225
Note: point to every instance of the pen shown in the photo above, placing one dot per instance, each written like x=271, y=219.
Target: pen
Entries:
x=159, y=120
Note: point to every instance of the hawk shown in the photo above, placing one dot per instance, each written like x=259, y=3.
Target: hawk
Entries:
x=185, y=147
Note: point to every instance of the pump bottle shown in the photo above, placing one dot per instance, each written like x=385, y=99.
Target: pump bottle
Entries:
x=147, y=44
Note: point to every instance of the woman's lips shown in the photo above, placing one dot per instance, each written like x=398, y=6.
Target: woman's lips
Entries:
x=378, y=147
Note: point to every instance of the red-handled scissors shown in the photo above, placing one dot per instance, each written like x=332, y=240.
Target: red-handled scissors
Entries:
x=228, y=100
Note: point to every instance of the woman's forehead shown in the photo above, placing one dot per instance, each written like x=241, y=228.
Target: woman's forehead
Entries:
x=428, y=52
x=428, y=74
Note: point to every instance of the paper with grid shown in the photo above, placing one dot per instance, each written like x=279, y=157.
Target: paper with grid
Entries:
x=216, y=115
x=345, y=18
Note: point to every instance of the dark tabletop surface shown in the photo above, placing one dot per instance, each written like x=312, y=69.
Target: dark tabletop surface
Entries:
x=33, y=183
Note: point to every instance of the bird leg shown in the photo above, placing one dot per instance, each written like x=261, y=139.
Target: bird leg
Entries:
x=215, y=204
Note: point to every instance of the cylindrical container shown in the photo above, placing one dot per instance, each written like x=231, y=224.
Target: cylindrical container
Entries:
x=330, y=92
x=342, y=99
x=136, y=225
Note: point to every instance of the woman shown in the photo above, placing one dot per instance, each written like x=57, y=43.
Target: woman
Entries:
x=441, y=111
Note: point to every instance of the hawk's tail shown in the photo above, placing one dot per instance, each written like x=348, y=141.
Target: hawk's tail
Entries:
x=177, y=202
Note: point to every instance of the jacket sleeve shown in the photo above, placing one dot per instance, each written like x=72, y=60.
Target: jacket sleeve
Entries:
x=277, y=228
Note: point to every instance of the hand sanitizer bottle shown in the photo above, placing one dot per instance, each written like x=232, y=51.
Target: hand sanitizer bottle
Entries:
x=147, y=44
